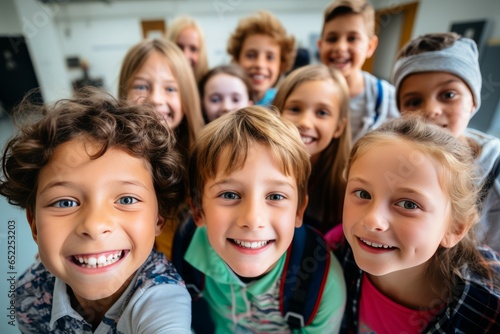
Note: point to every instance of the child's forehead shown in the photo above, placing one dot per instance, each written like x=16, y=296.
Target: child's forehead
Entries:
x=225, y=166
x=347, y=22
x=260, y=39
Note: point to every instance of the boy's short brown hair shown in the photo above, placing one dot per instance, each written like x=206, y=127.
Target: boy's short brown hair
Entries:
x=263, y=23
x=342, y=7
x=237, y=131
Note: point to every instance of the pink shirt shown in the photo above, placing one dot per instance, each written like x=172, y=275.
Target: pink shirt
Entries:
x=379, y=314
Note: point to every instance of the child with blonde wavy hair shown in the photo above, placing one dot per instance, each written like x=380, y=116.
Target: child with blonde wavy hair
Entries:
x=156, y=72
x=409, y=216
x=186, y=33
x=315, y=98
x=262, y=47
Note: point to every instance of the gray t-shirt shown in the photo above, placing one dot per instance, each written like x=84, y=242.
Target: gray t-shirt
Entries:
x=363, y=106
x=488, y=230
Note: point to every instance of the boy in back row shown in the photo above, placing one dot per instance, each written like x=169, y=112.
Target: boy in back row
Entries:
x=438, y=77
x=248, y=183
x=347, y=40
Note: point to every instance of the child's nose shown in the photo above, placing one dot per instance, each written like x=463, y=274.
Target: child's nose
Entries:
x=375, y=219
x=342, y=44
x=95, y=223
x=253, y=215
x=157, y=96
x=304, y=121
x=261, y=60
x=432, y=109
x=226, y=106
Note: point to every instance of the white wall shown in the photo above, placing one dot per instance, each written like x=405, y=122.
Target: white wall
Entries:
x=438, y=15
x=38, y=28
x=103, y=33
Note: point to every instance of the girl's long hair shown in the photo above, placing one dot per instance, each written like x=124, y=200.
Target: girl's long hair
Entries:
x=326, y=184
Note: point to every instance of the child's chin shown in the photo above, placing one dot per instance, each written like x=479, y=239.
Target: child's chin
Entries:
x=251, y=273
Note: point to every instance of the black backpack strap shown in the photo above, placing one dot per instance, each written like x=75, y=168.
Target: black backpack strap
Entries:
x=201, y=322
x=304, y=277
x=378, y=102
x=195, y=280
x=489, y=181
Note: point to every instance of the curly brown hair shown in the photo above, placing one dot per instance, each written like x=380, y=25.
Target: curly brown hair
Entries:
x=263, y=23
x=98, y=117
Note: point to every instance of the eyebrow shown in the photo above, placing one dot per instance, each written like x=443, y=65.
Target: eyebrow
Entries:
x=229, y=181
x=399, y=189
x=67, y=184
x=444, y=83
x=138, y=77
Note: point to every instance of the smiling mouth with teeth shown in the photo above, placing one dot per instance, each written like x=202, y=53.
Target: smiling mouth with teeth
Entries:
x=97, y=262
x=250, y=244
x=306, y=140
x=375, y=245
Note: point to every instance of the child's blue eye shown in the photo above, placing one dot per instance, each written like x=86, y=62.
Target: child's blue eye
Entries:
x=275, y=197
x=140, y=87
x=127, y=200
x=408, y=205
x=171, y=89
x=362, y=194
x=215, y=99
x=65, y=203
x=229, y=195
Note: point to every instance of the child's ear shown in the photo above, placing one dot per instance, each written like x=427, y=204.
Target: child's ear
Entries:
x=320, y=43
x=340, y=127
x=300, y=212
x=159, y=225
x=372, y=46
x=31, y=220
x=453, y=236
x=198, y=216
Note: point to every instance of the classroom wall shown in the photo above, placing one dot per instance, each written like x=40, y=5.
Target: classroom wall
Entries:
x=101, y=33
x=103, y=39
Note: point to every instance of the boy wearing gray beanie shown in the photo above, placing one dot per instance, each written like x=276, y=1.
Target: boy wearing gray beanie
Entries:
x=438, y=76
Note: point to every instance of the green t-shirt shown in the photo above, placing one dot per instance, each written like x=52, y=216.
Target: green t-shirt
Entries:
x=236, y=307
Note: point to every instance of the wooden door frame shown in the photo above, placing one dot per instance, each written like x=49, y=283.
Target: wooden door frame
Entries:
x=409, y=11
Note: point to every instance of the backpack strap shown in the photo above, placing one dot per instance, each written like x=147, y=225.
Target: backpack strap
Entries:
x=195, y=280
x=380, y=92
x=489, y=181
x=201, y=321
x=304, y=277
